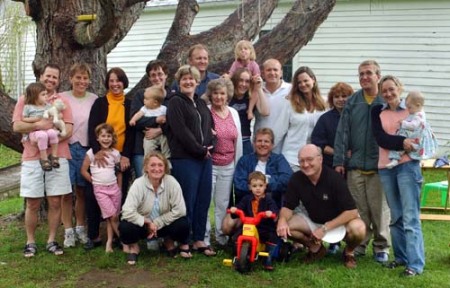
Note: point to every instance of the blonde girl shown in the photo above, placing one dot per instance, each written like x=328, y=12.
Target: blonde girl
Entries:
x=245, y=57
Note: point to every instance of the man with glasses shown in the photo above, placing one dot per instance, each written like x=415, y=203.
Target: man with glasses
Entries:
x=318, y=205
x=355, y=146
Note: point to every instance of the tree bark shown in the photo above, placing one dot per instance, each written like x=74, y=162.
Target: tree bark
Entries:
x=7, y=136
x=63, y=41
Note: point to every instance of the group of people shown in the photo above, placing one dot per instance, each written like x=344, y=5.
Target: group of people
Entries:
x=324, y=172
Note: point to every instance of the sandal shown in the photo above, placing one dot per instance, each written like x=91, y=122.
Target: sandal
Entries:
x=185, y=253
x=132, y=259
x=54, y=160
x=54, y=248
x=30, y=250
x=45, y=165
x=207, y=251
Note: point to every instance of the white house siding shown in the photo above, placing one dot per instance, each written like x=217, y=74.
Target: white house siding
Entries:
x=410, y=39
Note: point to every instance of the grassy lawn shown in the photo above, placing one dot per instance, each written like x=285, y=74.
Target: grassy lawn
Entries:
x=8, y=157
x=77, y=268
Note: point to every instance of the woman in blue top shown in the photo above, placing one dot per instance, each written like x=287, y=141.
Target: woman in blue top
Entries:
x=325, y=130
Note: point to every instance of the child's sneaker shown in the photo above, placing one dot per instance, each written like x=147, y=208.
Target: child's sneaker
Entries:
x=69, y=238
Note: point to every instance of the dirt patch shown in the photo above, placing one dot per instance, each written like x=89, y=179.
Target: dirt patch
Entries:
x=134, y=277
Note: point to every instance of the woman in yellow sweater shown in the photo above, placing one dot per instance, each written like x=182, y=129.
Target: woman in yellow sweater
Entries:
x=113, y=109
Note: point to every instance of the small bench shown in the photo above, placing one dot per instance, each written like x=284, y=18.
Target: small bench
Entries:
x=436, y=217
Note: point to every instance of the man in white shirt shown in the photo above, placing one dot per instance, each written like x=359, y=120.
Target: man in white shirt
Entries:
x=276, y=91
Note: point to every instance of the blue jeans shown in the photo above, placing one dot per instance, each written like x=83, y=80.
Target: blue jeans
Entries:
x=247, y=146
x=195, y=178
x=402, y=185
x=78, y=153
x=138, y=164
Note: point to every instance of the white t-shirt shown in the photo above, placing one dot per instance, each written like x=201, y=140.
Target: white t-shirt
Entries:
x=278, y=119
x=161, y=110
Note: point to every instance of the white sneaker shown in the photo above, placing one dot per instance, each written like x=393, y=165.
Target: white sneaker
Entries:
x=81, y=234
x=69, y=239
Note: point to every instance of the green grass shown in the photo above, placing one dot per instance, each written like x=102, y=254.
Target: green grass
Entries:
x=46, y=270
x=8, y=156
x=11, y=206
x=78, y=268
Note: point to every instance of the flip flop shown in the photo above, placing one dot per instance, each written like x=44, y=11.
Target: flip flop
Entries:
x=185, y=253
x=207, y=251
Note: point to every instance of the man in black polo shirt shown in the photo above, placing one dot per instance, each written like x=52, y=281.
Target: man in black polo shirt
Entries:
x=317, y=202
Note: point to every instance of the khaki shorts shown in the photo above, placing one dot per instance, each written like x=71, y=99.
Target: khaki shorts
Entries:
x=35, y=183
x=332, y=236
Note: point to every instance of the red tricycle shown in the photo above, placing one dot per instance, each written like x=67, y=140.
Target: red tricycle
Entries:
x=248, y=245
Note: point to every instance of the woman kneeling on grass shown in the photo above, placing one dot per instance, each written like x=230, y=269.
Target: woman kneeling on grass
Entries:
x=154, y=207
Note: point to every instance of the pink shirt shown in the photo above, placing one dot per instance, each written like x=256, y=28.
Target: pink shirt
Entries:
x=252, y=66
x=226, y=139
x=390, y=121
x=30, y=150
x=81, y=107
x=104, y=175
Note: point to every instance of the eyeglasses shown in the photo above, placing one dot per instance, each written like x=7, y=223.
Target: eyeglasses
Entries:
x=308, y=160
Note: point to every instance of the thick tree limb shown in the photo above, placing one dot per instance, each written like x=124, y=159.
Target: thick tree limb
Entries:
x=126, y=16
x=7, y=136
x=301, y=22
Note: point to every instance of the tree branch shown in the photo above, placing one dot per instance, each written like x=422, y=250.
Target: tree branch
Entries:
x=302, y=21
x=125, y=18
x=185, y=15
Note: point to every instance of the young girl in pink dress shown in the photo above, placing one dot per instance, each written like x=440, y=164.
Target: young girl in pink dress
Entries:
x=106, y=180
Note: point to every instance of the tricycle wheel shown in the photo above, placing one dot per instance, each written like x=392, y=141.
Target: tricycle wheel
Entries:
x=243, y=263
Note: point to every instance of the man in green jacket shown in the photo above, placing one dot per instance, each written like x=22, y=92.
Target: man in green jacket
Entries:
x=356, y=151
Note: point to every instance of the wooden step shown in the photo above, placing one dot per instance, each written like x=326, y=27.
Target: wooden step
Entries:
x=437, y=217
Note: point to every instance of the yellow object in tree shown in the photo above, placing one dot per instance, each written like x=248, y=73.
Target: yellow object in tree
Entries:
x=86, y=17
